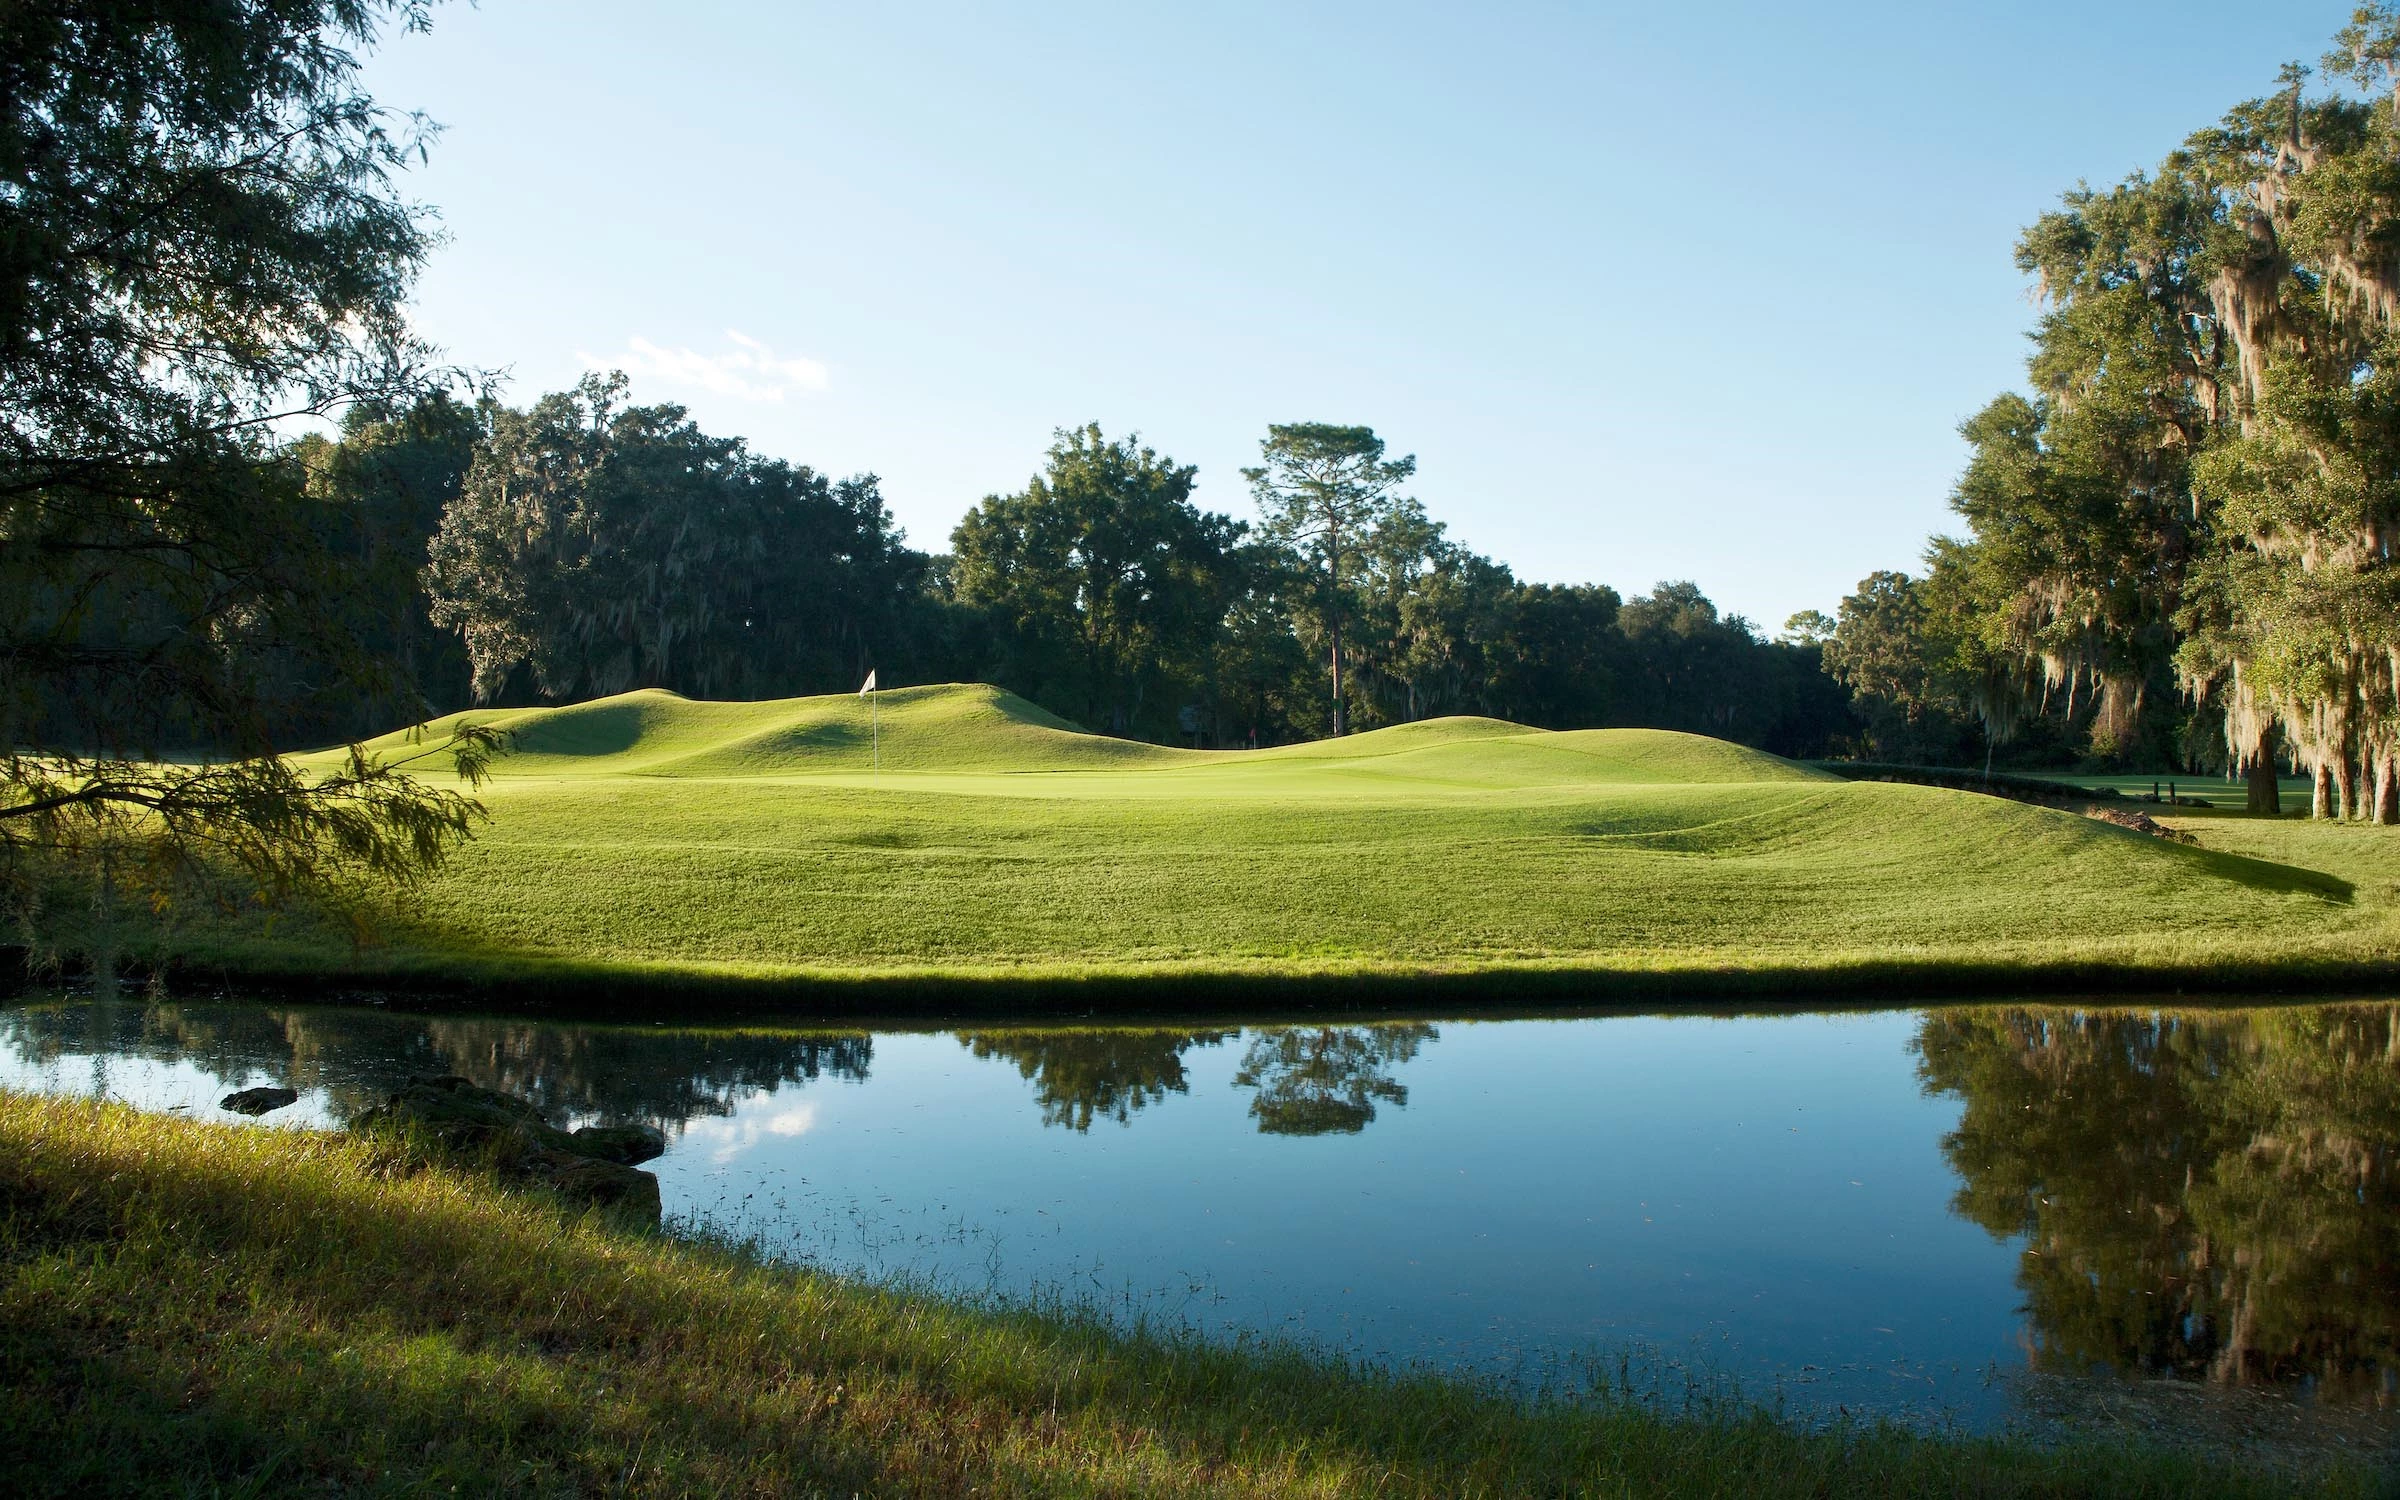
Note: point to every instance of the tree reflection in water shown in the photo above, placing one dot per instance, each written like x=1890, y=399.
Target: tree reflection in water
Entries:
x=1310, y=1080
x=661, y=1076
x=1080, y=1076
x=655, y=1075
x=2208, y=1196
x=1322, y=1080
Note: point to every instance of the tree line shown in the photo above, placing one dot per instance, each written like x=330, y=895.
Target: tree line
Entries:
x=2181, y=540
x=587, y=545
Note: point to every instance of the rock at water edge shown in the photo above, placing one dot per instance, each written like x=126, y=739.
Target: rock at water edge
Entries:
x=259, y=1101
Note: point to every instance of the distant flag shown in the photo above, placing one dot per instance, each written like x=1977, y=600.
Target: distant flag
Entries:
x=866, y=690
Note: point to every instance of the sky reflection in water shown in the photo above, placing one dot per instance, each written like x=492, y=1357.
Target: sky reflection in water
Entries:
x=1893, y=1211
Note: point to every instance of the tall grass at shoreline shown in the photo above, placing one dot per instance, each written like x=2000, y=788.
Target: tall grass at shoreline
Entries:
x=188, y=1308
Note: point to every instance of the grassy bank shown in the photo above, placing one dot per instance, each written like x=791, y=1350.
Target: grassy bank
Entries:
x=200, y=1309
x=646, y=842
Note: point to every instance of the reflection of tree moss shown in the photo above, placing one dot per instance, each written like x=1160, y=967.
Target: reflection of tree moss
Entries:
x=2205, y=1196
x=227, y=1041
x=1079, y=1076
x=658, y=1076
x=1318, y=1080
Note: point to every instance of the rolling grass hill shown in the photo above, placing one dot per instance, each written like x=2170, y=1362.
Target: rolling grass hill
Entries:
x=974, y=729
x=649, y=840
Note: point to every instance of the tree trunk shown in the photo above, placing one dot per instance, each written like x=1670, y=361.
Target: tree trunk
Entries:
x=1337, y=680
x=2265, y=795
x=104, y=933
x=2320, y=801
x=2387, y=791
x=1333, y=592
x=2345, y=771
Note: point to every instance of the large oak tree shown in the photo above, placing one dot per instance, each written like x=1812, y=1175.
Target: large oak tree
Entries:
x=201, y=241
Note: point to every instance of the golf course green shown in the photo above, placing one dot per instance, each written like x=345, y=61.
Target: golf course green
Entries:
x=957, y=841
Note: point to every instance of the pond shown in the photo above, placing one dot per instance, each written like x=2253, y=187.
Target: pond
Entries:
x=1977, y=1216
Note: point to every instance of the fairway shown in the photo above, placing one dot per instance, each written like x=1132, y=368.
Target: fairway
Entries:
x=971, y=836
x=2216, y=791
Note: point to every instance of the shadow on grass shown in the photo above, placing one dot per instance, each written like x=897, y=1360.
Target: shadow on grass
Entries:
x=537, y=986
x=2267, y=876
x=594, y=730
x=832, y=735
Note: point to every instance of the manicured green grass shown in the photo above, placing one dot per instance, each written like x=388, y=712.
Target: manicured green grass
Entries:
x=193, y=1309
x=647, y=840
x=2215, y=790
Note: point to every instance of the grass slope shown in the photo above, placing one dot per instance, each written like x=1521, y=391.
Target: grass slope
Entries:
x=190, y=1309
x=648, y=839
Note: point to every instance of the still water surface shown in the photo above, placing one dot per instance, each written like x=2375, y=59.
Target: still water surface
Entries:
x=1949, y=1216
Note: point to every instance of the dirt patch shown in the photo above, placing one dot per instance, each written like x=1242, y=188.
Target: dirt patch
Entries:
x=2140, y=822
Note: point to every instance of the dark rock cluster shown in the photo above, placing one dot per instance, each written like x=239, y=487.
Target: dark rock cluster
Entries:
x=593, y=1165
x=258, y=1101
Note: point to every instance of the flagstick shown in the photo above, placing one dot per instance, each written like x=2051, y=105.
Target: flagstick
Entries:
x=872, y=691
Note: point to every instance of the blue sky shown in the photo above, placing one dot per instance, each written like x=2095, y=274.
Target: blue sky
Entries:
x=1651, y=292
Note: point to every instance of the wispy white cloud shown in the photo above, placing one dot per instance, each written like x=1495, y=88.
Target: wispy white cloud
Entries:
x=723, y=1140
x=749, y=371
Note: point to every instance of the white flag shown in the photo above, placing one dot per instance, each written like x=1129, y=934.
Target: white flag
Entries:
x=868, y=686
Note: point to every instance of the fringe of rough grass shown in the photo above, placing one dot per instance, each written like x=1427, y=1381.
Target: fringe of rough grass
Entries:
x=204, y=1309
x=589, y=988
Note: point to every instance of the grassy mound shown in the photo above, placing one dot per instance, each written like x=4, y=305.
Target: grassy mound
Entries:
x=950, y=728
x=648, y=839
x=958, y=727
x=189, y=1309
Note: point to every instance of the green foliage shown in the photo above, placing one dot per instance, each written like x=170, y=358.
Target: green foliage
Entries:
x=1686, y=667
x=384, y=483
x=2200, y=494
x=1919, y=664
x=1880, y=648
x=2080, y=511
x=599, y=547
x=1109, y=586
x=1556, y=656
x=1103, y=593
x=1325, y=492
x=202, y=239
x=1426, y=609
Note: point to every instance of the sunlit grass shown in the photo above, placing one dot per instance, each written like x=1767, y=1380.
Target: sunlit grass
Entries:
x=2216, y=790
x=203, y=1309
x=652, y=839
